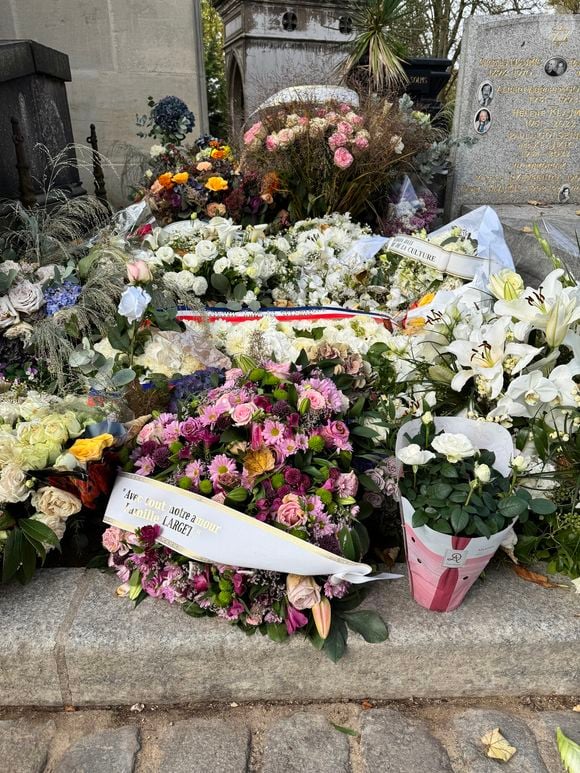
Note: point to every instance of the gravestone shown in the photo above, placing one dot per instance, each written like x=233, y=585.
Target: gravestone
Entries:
x=32, y=90
x=518, y=95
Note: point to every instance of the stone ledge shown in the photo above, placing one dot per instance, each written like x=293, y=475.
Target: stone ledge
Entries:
x=66, y=638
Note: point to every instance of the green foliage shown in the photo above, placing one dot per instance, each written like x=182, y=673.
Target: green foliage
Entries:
x=375, y=49
x=26, y=541
x=213, y=41
x=569, y=752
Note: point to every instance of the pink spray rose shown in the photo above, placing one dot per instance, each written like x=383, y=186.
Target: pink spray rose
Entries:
x=138, y=271
x=347, y=484
x=242, y=414
x=337, y=140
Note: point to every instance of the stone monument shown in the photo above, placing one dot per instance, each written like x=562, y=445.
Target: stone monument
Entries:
x=273, y=45
x=32, y=91
x=518, y=94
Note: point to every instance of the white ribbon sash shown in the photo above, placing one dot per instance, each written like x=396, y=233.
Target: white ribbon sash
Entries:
x=210, y=532
x=454, y=263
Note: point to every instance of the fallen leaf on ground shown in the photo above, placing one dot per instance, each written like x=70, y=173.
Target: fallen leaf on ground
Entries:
x=535, y=203
x=538, y=579
x=366, y=705
x=388, y=556
x=498, y=748
x=576, y=708
x=345, y=730
x=569, y=752
x=526, y=229
x=137, y=707
x=576, y=584
x=578, y=211
x=70, y=708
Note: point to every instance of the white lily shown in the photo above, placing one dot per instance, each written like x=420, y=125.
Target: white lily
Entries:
x=484, y=354
x=536, y=307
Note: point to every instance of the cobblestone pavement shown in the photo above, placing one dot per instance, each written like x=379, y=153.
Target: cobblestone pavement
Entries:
x=399, y=737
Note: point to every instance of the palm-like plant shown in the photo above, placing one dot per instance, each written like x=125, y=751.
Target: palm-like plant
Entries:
x=375, y=46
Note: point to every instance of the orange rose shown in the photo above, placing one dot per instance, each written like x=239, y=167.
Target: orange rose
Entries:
x=180, y=178
x=156, y=187
x=165, y=180
x=216, y=184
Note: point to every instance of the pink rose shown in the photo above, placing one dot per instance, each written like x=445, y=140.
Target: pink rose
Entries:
x=285, y=136
x=342, y=158
x=112, y=539
x=344, y=108
x=337, y=140
x=336, y=434
x=272, y=143
x=347, y=484
x=242, y=414
x=317, y=401
x=290, y=512
x=345, y=128
x=252, y=133
x=361, y=142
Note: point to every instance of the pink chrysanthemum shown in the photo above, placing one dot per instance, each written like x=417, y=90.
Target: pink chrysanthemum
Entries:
x=273, y=432
x=220, y=465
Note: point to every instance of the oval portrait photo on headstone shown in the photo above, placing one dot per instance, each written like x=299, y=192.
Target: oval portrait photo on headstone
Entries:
x=482, y=121
x=564, y=194
x=485, y=93
x=555, y=66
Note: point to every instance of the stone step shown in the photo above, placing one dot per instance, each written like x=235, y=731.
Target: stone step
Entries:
x=436, y=737
x=68, y=640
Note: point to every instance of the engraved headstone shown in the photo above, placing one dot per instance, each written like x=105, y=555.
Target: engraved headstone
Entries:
x=518, y=94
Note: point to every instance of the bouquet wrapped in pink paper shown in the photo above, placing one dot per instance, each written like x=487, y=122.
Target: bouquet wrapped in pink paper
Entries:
x=459, y=503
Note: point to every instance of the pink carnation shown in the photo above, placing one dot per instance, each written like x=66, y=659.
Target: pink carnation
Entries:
x=361, y=142
x=342, y=158
x=347, y=484
x=112, y=539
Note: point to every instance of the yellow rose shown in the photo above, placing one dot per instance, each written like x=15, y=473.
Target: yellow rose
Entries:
x=180, y=178
x=216, y=184
x=91, y=449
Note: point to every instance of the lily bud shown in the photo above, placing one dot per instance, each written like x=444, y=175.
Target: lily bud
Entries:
x=321, y=614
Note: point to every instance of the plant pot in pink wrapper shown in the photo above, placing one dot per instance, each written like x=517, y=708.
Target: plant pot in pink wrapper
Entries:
x=442, y=567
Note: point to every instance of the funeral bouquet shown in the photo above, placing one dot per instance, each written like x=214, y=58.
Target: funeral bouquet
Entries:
x=51, y=466
x=276, y=442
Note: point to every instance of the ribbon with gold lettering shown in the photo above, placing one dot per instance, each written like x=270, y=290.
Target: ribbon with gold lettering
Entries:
x=210, y=532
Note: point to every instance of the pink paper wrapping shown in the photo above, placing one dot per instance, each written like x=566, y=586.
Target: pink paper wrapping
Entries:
x=442, y=568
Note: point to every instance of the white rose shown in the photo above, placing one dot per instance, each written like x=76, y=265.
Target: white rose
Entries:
x=165, y=253
x=220, y=265
x=414, y=455
x=482, y=473
x=133, y=303
x=52, y=501
x=191, y=261
x=454, y=446
x=199, y=286
x=156, y=150
x=9, y=265
x=282, y=244
x=26, y=297
x=104, y=347
x=205, y=250
x=238, y=254
x=13, y=486
x=20, y=330
x=8, y=314
x=427, y=418
x=377, y=426
x=56, y=524
x=519, y=463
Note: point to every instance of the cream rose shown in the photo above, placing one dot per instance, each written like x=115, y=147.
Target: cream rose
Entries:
x=20, y=330
x=7, y=445
x=26, y=297
x=482, y=473
x=13, y=486
x=56, y=524
x=56, y=503
x=8, y=314
x=303, y=592
x=454, y=446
